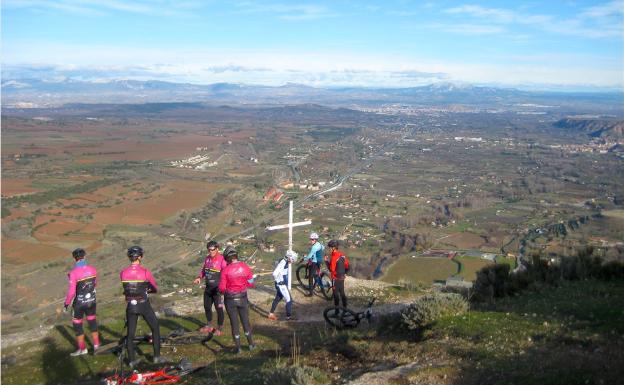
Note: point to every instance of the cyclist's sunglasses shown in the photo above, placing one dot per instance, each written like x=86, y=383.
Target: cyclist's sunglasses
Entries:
x=212, y=248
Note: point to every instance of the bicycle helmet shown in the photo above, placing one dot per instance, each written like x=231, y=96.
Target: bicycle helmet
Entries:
x=135, y=252
x=291, y=256
x=212, y=244
x=230, y=253
x=79, y=253
x=314, y=236
x=332, y=243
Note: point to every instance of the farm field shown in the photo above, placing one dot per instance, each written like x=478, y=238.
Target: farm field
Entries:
x=420, y=270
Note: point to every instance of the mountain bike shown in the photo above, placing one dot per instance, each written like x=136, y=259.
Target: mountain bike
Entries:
x=173, y=338
x=167, y=375
x=343, y=318
x=322, y=281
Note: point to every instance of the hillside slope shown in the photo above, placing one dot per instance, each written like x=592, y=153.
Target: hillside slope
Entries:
x=569, y=334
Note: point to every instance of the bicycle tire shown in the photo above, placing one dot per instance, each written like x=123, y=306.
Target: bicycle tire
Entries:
x=187, y=339
x=302, y=276
x=341, y=318
x=110, y=347
x=326, y=286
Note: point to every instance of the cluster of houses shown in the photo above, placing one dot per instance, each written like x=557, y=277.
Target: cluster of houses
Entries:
x=197, y=162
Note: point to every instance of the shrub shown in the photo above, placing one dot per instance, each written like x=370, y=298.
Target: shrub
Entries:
x=427, y=309
x=612, y=270
x=296, y=375
x=492, y=281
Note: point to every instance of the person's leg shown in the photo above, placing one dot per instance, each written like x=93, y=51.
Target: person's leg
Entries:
x=78, y=329
x=277, y=299
x=335, y=295
x=311, y=280
x=217, y=298
x=317, y=274
x=232, y=311
x=341, y=291
x=93, y=326
x=131, y=318
x=284, y=293
x=152, y=321
x=208, y=307
x=243, y=311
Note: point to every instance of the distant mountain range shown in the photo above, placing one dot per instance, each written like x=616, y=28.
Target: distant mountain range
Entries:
x=33, y=92
x=593, y=127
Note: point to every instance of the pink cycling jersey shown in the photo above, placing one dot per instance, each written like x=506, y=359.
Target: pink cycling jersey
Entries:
x=215, y=264
x=235, y=278
x=82, y=280
x=137, y=281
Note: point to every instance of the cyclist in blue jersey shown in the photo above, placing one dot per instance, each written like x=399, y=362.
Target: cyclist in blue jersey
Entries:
x=314, y=260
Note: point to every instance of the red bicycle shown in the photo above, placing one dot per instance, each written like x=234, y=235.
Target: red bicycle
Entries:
x=166, y=375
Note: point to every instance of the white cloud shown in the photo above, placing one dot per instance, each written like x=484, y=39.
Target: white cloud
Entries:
x=315, y=69
x=103, y=7
x=494, y=15
x=602, y=21
x=289, y=11
x=469, y=29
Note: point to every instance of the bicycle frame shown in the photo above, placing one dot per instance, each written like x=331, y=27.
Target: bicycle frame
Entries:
x=343, y=318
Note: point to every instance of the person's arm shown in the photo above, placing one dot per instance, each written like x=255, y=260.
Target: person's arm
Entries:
x=277, y=273
x=340, y=267
x=150, y=279
x=250, y=277
x=223, y=281
x=71, y=289
x=311, y=254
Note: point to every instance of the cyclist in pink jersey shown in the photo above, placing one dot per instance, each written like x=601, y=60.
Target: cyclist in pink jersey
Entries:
x=137, y=282
x=81, y=295
x=235, y=279
x=214, y=263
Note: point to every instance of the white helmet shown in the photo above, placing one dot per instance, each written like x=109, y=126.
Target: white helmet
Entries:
x=291, y=256
x=314, y=236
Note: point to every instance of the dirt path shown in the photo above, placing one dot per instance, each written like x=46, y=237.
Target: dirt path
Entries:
x=305, y=309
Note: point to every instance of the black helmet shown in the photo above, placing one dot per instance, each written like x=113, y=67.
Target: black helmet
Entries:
x=79, y=253
x=135, y=252
x=212, y=244
x=332, y=243
x=230, y=253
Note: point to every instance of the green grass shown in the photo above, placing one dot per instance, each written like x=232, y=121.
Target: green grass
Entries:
x=470, y=266
x=559, y=335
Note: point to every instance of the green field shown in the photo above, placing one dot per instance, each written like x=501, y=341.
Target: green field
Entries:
x=470, y=266
x=420, y=270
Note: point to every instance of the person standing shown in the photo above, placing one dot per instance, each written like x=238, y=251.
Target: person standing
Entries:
x=280, y=275
x=338, y=267
x=235, y=279
x=137, y=282
x=81, y=295
x=314, y=259
x=211, y=272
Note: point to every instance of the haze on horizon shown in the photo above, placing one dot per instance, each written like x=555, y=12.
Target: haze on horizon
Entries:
x=564, y=45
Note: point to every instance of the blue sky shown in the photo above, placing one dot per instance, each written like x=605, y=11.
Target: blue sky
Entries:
x=320, y=43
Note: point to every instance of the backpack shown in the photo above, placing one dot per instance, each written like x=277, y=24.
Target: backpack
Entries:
x=346, y=263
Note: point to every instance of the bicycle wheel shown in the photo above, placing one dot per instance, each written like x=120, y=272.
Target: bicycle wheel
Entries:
x=341, y=318
x=326, y=286
x=302, y=276
x=186, y=339
x=112, y=347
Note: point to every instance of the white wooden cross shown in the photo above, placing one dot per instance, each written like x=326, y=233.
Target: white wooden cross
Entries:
x=289, y=226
